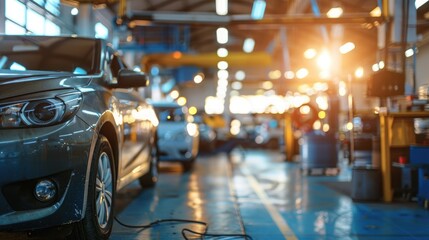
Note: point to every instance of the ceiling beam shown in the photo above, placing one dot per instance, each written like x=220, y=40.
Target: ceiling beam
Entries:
x=204, y=19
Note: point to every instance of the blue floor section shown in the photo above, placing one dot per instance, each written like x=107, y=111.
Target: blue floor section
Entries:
x=256, y=192
x=314, y=210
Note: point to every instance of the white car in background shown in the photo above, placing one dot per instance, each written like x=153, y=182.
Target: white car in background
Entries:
x=178, y=138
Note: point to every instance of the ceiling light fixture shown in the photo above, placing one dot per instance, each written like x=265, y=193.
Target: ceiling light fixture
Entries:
x=221, y=7
x=376, y=12
x=222, y=35
x=347, y=47
x=222, y=52
x=409, y=52
x=74, y=11
x=335, y=12
x=222, y=65
x=258, y=9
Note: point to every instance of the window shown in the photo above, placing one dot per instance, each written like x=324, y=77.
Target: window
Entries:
x=15, y=11
x=40, y=2
x=13, y=28
x=53, y=6
x=35, y=22
x=101, y=31
x=51, y=28
x=24, y=16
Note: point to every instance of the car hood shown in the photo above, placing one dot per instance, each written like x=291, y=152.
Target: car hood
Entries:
x=14, y=83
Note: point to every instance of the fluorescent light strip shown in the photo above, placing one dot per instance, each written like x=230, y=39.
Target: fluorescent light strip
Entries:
x=222, y=35
x=258, y=9
x=222, y=7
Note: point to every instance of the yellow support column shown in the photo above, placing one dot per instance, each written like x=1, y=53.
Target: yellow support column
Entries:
x=288, y=138
x=385, y=157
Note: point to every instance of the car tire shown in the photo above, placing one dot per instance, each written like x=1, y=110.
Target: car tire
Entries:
x=98, y=220
x=150, y=179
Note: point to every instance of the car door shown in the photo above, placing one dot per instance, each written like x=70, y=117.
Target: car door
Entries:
x=135, y=149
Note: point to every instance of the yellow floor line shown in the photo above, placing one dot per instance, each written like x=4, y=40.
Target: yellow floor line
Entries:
x=275, y=215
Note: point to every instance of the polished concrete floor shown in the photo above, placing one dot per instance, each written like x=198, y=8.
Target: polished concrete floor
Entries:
x=255, y=192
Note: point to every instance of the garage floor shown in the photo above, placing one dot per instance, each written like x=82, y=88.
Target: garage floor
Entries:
x=255, y=192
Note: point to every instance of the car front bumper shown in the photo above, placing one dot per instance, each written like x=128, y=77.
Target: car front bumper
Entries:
x=178, y=150
x=58, y=153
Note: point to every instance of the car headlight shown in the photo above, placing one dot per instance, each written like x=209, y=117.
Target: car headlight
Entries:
x=40, y=112
x=192, y=129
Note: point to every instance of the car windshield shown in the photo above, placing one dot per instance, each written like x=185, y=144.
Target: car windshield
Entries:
x=59, y=54
x=170, y=114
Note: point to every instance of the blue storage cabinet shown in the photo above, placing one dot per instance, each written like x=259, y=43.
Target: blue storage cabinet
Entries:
x=423, y=194
x=419, y=156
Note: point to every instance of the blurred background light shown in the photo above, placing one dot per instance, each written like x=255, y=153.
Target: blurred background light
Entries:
x=276, y=74
x=302, y=73
x=240, y=75
x=181, y=101
x=222, y=52
x=248, y=45
x=236, y=85
x=409, y=52
x=222, y=74
x=193, y=110
x=347, y=47
x=335, y=12
x=310, y=53
x=222, y=65
x=74, y=11
x=289, y=74
x=174, y=94
x=376, y=12
x=267, y=85
x=198, y=78
x=359, y=72
x=324, y=60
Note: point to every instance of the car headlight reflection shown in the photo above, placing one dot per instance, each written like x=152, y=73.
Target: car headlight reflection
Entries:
x=40, y=112
x=192, y=129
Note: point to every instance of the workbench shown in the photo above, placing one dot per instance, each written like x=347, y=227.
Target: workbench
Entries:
x=396, y=132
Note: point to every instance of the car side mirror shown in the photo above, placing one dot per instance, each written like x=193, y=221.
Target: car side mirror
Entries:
x=131, y=79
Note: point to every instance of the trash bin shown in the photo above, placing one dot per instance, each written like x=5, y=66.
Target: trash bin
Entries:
x=319, y=150
x=366, y=183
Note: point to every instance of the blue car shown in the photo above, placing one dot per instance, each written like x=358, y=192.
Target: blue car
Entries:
x=73, y=131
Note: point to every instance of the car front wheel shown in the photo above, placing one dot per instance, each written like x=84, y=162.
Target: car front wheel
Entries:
x=98, y=220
